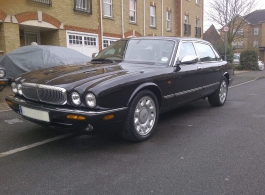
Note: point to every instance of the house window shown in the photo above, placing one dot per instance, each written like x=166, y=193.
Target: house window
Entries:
x=197, y=28
x=31, y=37
x=132, y=10
x=75, y=40
x=187, y=27
x=240, y=31
x=152, y=16
x=108, y=8
x=198, y=2
x=83, y=5
x=234, y=44
x=90, y=41
x=240, y=44
x=168, y=26
x=107, y=42
x=47, y=2
x=255, y=43
x=256, y=31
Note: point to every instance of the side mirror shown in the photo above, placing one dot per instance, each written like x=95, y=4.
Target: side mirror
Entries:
x=94, y=55
x=189, y=60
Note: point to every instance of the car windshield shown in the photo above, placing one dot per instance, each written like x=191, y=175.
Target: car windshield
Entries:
x=149, y=51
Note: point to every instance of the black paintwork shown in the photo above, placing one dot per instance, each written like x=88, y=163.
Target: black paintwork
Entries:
x=115, y=84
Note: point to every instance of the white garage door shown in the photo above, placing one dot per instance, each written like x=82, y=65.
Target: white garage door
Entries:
x=85, y=43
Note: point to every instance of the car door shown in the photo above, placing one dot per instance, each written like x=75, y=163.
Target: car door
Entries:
x=189, y=79
x=211, y=65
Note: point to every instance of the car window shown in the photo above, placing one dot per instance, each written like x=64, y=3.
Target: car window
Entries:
x=186, y=49
x=205, y=52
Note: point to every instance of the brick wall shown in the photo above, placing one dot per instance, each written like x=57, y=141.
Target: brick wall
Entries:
x=193, y=10
x=11, y=34
x=61, y=12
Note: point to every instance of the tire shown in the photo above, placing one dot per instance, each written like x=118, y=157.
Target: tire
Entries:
x=142, y=117
x=218, y=98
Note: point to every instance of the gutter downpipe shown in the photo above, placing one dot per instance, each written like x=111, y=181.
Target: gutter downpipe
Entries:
x=122, y=20
x=162, y=17
x=101, y=24
x=180, y=18
x=144, y=17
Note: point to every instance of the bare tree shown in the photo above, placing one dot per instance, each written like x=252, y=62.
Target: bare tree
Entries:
x=237, y=10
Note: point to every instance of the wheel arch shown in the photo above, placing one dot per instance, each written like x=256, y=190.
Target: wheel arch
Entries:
x=226, y=75
x=147, y=86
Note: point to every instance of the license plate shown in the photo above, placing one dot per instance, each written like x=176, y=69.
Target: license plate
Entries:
x=35, y=114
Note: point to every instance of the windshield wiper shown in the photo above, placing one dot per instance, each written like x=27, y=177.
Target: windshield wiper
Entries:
x=102, y=60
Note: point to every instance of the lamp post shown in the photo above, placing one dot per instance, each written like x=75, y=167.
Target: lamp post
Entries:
x=226, y=31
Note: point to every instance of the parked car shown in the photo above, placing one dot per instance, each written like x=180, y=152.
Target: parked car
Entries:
x=33, y=57
x=236, y=58
x=261, y=65
x=125, y=87
x=3, y=81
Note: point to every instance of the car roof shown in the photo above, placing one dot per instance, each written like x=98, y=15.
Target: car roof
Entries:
x=167, y=38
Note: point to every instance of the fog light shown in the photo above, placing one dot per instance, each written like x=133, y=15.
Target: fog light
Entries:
x=76, y=117
x=108, y=117
x=2, y=83
x=9, y=103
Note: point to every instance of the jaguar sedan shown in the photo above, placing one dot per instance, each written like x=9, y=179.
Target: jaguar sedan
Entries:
x=124, y=88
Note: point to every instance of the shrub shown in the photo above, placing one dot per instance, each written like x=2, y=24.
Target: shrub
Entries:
x=249, y=59
x=229, y=52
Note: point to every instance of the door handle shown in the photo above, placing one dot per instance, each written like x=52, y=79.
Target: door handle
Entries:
x=199, y=68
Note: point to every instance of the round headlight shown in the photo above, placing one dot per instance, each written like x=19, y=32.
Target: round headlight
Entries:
x=91, y=100
x=14, y=87
x=19, y=89
x=76, y=98
x=2, y=73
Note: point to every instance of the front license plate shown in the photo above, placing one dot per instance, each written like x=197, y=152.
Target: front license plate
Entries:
x=35, y=114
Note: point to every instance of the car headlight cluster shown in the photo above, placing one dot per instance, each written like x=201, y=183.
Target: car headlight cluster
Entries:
x=90, y=99
x=17, y=88
x=2, y=73
x=14, y=87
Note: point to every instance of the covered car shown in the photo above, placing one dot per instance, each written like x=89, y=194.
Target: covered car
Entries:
x=33, y=57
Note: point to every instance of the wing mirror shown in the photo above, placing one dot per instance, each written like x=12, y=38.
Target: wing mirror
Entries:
x=189, y=60
x=94, y=55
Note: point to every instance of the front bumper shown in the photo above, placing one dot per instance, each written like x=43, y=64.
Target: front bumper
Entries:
x=93, y=123
x=3, y=84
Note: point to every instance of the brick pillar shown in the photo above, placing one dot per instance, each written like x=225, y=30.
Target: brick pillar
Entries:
x=10, y=36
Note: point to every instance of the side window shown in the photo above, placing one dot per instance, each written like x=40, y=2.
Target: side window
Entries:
x=205, y=52
x=186, y=49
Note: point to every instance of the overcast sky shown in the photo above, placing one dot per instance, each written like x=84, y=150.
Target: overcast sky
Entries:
x=207, y=23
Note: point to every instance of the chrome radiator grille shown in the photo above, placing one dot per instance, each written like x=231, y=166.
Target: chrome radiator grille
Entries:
x=44, y=93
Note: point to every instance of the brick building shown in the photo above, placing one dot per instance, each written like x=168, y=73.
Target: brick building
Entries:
x=91, y=25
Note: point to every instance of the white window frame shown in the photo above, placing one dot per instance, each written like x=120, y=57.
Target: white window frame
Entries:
x=197, y=22
x=107, y=4
x=256, y=31
x=198, y=2
x=255, y=43
x=132, y=10
x=152, y=16
x=83, y=5
x=109, y=40
x=30, y=32
x=186, y=19
x=168, y=18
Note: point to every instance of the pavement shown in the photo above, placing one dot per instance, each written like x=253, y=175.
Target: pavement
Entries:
x=239, y=78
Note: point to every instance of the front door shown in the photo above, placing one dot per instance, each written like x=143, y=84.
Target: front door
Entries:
x=189, y=78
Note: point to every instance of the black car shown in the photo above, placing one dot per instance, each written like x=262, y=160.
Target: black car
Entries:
x=3, y=81
x=125, y=87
